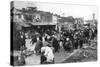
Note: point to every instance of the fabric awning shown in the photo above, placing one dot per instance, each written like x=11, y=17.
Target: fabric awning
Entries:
x=41, y=23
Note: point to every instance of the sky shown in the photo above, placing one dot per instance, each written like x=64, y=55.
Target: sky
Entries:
x=61, y=9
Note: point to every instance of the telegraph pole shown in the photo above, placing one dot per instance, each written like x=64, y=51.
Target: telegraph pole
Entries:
x=93, y=18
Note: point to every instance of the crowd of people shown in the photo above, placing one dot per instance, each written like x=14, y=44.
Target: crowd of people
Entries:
x=47, y=45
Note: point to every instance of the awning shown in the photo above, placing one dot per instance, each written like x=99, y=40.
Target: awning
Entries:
x=41, y=23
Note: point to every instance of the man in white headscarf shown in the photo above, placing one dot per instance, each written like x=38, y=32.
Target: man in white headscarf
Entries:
x=47, y=52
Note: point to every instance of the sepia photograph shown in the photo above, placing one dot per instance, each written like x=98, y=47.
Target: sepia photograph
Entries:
x=52, y=33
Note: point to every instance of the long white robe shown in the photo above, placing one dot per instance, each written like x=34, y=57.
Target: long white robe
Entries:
x=48, y=53
x=29, y=45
